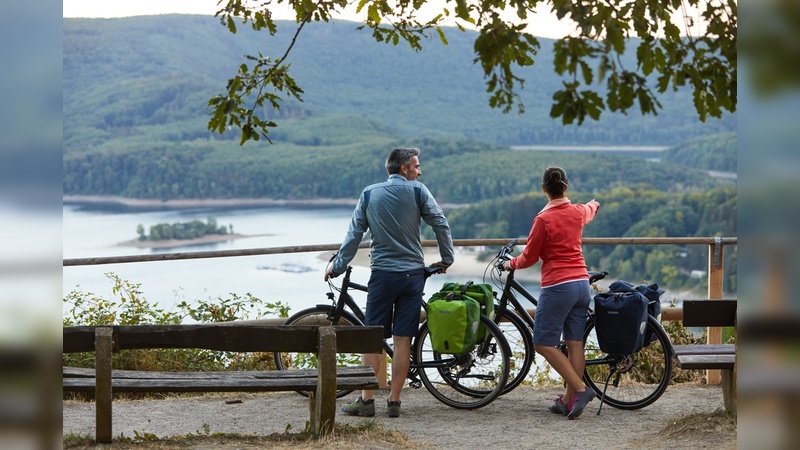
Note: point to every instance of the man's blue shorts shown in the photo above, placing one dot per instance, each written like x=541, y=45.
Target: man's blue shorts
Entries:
x=394, y=300
x=562, y=308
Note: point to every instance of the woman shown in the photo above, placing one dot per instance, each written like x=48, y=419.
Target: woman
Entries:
x=555, y=238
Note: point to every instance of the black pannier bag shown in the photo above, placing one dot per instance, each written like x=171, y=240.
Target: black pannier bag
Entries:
x=653, y=294
x=620, y=321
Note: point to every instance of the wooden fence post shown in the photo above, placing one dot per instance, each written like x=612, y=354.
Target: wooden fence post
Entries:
x=323, y=412
x=715, y=279
x=103, y=346
x=382, y=375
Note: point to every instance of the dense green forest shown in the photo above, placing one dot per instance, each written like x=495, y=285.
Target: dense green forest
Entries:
x=456, y=171
x=182, y=230
x=713, y=152
x=144, y=82
x=626, y=211
x=135, y=94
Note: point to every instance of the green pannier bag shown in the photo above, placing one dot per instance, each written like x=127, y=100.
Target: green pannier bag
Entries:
x=483, y=293
x=453, y=321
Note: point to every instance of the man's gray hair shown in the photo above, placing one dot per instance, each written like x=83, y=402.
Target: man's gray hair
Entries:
x=400, y=157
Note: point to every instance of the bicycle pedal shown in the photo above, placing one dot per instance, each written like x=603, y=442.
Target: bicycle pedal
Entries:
x=415, y=384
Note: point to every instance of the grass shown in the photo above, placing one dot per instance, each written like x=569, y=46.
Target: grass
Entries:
x=368, y=434
x=718, y=421
x=711, y=430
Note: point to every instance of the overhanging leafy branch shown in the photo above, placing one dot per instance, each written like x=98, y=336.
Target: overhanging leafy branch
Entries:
x=589, y=59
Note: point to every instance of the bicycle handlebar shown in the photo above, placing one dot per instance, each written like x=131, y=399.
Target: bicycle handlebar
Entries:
x=427, y=270
x=505, y=254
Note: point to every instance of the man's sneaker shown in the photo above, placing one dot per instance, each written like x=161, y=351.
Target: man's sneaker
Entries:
x=360, y=407
x=579, y=401
x=393, y=408
x=558, y=406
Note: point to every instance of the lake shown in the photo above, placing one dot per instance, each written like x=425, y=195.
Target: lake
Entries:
x=95, y=232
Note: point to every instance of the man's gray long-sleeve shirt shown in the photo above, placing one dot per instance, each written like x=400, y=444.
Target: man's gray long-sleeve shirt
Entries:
x=391, y=211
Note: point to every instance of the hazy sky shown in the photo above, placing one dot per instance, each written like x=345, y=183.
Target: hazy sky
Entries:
x=543, y=24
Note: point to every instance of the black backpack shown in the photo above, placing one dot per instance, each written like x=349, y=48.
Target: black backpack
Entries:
x=620, y=321
x=653, y=295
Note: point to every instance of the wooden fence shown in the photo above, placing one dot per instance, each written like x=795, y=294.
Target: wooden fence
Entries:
x=716, y=253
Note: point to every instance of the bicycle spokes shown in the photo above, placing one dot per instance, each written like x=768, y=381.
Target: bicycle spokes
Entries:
x=469, y=380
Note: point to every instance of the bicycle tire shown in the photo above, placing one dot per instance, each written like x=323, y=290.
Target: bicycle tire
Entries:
x=468, y=381
x=317, y=315
x=642, y=377
x=520, y=342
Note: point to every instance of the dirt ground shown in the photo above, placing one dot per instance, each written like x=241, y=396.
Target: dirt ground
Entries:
x=518, y=420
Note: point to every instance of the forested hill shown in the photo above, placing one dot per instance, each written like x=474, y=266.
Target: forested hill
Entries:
x=135, y=116
x=713, y=152
x=140, y=82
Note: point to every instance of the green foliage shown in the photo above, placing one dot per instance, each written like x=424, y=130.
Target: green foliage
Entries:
x=144, y=84
x=714, y=152
x=235, y=308
x=127, y=306
x=707, y=63
x=678, y=335
x=638, y=211
x=181, y=230
x=456, y=171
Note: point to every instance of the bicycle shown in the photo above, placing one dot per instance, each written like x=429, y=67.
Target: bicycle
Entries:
x=636, y=380
x=466, y=381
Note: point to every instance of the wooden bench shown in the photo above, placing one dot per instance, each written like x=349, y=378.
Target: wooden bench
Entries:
x=322, y=383
x=711, y=313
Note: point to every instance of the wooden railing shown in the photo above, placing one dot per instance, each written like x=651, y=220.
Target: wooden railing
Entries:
x=716, y=246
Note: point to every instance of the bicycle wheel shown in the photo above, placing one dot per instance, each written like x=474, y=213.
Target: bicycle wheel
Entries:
x=466, y=381
x=318, y=315
x=520, y=341
x=634, y=381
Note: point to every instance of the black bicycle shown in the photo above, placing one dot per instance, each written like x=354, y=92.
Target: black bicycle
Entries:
x=466, y=381
x=623, y=381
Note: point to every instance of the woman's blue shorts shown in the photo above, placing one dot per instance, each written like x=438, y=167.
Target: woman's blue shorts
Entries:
x=563, y=308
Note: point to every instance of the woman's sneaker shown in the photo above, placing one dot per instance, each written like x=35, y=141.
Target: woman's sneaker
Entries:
x=393, y=408
x=360, y=407
x=558, y=406
x=579, y=401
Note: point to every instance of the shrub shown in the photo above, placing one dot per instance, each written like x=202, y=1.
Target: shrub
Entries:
x=129, y=307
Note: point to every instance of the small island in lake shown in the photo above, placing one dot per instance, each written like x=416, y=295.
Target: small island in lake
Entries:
x=196, y=232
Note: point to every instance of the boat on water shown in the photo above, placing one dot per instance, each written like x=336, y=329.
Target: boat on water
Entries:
x=287, y=267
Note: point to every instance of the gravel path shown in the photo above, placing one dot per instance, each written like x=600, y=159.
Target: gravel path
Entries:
x=519, y=419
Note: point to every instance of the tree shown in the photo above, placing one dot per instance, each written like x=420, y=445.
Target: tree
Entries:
x=592, y=54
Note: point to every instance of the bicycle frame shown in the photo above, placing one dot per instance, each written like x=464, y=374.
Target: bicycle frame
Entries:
x=346, y=300
x=467, y=380
x=646, y=386
x=512, y=285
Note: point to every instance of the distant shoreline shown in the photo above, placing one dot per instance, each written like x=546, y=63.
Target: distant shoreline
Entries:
x=168, y=243
x=152, y=204
x=147, y=203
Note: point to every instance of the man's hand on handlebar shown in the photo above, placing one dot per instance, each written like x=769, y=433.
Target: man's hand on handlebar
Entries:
x=330, y=274
x=441, y=265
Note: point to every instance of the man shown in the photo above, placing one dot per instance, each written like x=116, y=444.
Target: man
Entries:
x=391, y=211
